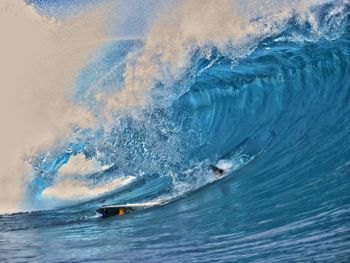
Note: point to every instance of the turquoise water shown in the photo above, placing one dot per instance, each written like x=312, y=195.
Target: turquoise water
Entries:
x=276, y=118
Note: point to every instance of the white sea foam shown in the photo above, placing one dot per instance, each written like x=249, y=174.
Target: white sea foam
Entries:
x=79, y=165
x=66, y=189
x=233, y=27
x=70, y=184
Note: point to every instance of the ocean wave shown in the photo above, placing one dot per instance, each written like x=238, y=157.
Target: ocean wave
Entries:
x=233, y=115
x=230, y=99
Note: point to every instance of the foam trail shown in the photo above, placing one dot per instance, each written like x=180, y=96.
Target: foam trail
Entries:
x=40, y=57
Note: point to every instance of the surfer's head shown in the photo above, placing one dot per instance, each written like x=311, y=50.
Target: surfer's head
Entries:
x=216, y=170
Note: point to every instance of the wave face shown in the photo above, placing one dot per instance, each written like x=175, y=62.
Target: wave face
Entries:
x=272, y=111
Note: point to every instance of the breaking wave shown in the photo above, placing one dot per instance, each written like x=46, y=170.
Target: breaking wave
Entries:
x=262, y=93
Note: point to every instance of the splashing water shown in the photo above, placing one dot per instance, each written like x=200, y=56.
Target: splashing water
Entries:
x=261, y=91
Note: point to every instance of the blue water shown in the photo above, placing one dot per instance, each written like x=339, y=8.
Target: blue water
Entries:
x=279, y=114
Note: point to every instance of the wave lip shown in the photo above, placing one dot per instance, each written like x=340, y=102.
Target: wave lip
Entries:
x=271, y=111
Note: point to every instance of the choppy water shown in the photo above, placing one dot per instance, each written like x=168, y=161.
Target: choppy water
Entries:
x=276, y=117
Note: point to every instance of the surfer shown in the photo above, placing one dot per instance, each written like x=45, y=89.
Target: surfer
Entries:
x=216, y=170
x=122, y=209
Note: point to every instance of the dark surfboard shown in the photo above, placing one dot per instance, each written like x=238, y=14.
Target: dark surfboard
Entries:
x=112, y=210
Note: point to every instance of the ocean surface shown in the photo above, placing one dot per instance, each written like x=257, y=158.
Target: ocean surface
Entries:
x=270, y=105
